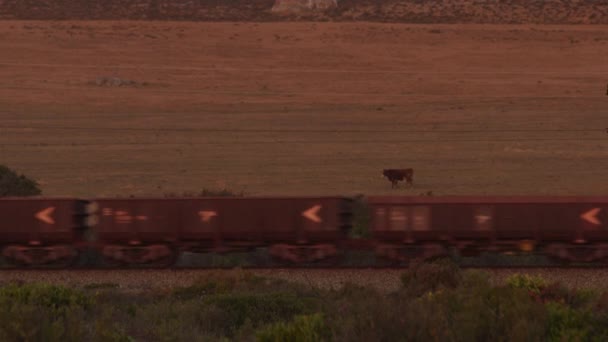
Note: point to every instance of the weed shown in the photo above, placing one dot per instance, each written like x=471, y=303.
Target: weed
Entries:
x=423, y=277
x=304, y=328
x=533, y=284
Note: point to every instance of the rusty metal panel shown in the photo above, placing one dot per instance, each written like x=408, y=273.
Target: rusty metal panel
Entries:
x=379, y=221
x=399, y=217
x=565, y=218
x=483, y=217
x=520, y=221
x=256, y=219
x=421, y=218
x=37, y=219
x=219, y=219
x=455, y=221
x=138, y=220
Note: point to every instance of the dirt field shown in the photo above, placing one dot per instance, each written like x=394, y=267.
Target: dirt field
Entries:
x=399, y=11
x=304, y=108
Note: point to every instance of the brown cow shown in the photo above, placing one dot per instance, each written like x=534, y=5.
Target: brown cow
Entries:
x=396, y=175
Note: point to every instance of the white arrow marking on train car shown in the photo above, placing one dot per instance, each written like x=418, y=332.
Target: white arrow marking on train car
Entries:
x=311, y=213
x=206, y=215
x=482, y=219
x=590, y=216
x=45, y=215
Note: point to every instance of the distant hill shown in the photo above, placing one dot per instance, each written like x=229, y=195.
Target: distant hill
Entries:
x=407, y=11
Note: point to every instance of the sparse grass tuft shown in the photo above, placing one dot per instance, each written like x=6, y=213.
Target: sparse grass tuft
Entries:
x=305, y=328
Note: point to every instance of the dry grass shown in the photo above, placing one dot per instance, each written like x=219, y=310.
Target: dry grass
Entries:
x=304, y=108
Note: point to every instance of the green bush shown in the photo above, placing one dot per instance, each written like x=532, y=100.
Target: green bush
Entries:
x=304, y=328
x=43, y=313
x=13, y=184
x=50, y=296
x=524, y=281
x=438, y=302
x=567, y=324
x=469, y=308
x=236, y=309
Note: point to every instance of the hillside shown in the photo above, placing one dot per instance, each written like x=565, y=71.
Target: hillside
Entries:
x=406, y=11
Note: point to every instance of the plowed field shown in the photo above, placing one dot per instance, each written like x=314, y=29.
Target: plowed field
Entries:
x=304, y=108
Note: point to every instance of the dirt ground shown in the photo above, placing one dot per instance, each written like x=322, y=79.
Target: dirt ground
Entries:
x=554, y=12
x=304, y=108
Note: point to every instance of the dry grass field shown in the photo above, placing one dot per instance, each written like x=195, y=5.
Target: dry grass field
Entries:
x=304, y=108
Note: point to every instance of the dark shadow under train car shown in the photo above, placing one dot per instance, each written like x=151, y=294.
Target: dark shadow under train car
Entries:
x=154, y=231
x=569, y=228
x=43, y=231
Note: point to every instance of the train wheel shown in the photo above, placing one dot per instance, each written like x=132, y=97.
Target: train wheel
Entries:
x=165, y=261
x=578, y=253
x=40, y=257
x=406, y=253
x=303, y=254
x=155, y=256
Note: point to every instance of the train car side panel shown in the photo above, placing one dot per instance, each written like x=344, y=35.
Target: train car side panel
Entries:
x=261, y=220
x=45, y=221
x=138, y=220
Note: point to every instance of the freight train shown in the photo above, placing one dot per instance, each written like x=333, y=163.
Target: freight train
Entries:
x=297, y=230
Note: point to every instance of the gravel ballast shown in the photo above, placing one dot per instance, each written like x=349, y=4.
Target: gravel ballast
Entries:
x=385, y=280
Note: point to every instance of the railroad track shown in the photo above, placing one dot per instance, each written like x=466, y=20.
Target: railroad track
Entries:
x=383, y=279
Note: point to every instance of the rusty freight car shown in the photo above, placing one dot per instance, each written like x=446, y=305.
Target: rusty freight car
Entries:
x=43, y=230
x=154, y=231
x=570, y=228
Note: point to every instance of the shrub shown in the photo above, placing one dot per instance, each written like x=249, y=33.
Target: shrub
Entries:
x=356, y=313
x=533, y=284
x=602, y=302
x=567, y=324
x=50, y=296
x=478, y=313
x=13, y=184
x=431, y=276
x=259, y=309
x=108, y=327
x=42, y=312
x=202, y=289
x=304, y=328
x=100, y=286
x=475, y=278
